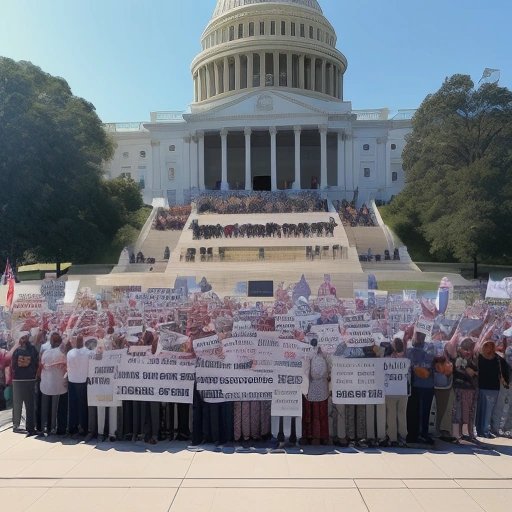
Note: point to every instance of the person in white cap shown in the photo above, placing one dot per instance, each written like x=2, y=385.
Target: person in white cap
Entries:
x=24, y=367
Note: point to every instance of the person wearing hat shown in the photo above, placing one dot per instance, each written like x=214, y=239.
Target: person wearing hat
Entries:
x=24, y=369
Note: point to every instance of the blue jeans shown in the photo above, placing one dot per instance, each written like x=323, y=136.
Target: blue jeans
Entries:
x=487, y=399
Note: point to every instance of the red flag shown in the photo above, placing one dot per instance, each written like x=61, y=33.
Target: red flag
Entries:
x=8, y=278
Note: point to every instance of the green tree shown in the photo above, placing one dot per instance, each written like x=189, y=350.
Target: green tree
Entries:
x=53, y=197
x=458, y=171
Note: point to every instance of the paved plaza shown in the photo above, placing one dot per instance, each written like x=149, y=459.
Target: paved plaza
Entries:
x=48, y=474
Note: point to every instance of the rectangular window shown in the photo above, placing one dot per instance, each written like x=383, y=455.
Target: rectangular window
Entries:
x=311, y=32
x=394, y=176
x=251, y=29
x=231, y=33
x=262, y=28
x=302, y=30
x=240, y=31
x=272, y=28
x=283, y=28
x=367, y=172
x=318, y=34
x=171, y=174
x=292, y=29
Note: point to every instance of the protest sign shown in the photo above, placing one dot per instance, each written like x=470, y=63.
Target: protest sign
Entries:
x=357, y=381
x=101, y=377
x=396, y=376
x=163, y=377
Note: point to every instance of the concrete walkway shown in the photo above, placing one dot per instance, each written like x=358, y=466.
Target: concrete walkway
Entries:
x=55, y=475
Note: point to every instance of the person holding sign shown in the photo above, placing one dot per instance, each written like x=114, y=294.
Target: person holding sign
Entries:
x=421, y=355
x=396, y=406
x=315, y=412
x=78, y=365
x=492, y=372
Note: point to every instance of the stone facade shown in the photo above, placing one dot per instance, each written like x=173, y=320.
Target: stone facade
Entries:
x=268, y=113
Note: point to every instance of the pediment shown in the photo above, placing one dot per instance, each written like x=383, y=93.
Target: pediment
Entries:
x=259, y=103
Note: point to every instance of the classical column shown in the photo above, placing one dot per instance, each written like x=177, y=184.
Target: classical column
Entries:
x=250, y=70
x=199, y=85
x=349, y=164
x=301, y=71
x=289, y=70
x=248, y=172
x=200, y=159
x=275, y=60
x=157, y=171
x=273, y=158
x=341, y=160
x=195, y=88
x=225, y=78
x=194, y=161
x=186, y=160
x=323, y=156
x=262, y=69
x=216, y=77
x=224, y=159
x=312, y=70
x=322, y=81
x=297, y=131
x=208, y=81
x=237, y=72
x=331, y=80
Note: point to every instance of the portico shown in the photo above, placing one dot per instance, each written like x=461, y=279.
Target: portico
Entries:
x=293, y=157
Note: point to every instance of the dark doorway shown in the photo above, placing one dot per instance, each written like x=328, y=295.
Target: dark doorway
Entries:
x=261, y=183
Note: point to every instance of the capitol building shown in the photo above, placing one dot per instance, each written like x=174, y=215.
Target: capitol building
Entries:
x=268, y=113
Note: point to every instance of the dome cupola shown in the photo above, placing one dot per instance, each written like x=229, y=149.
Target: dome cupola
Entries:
x=250, y=44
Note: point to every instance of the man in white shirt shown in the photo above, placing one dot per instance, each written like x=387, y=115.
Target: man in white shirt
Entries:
x=78, y=367
x=53, y=382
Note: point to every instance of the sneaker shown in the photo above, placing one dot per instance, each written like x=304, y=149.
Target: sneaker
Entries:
x=362, y=443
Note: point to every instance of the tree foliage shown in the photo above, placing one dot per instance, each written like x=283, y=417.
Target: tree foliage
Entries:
x=458, y=172
x=54, y=201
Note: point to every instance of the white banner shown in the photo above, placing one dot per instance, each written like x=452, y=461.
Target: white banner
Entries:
x=164, y=377
x=357, y=381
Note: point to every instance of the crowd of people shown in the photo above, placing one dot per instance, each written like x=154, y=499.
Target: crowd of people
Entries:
x=268, y=230
x=173, y=218
x=352, y=216
x=462, y=365
x=260, y=202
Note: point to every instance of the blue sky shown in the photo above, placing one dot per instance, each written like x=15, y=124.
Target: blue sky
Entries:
x=130, y=57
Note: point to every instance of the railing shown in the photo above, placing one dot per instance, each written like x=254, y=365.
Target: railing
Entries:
x=380, y=114
x=404, y=114
x=171, y=116
x=123, y=127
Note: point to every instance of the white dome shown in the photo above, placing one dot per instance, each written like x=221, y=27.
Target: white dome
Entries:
x=223, y=6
